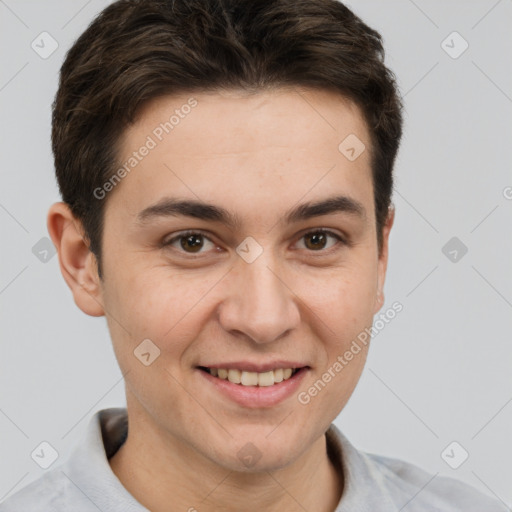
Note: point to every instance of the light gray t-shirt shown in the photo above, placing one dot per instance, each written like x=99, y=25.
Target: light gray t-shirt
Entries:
x=372, y=483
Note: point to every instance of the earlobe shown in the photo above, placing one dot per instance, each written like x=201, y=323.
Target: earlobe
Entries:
x=77, y=263
x=383, y=258
x=379, y=301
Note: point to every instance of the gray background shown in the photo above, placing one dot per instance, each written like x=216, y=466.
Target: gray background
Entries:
x=439, y=372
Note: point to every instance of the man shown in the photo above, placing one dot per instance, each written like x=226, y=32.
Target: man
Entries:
x=226, y=175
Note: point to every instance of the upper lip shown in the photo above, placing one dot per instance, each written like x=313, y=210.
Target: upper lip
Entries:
x=249, y=366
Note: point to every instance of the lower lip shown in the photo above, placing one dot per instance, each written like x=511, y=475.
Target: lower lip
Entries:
x=257, y=396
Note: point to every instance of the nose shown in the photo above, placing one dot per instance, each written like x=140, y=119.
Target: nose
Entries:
x=260, y=304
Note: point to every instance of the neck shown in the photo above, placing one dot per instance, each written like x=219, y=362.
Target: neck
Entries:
x=160, y=472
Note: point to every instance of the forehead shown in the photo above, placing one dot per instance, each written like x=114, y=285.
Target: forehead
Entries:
x=227, y=146
x=257, y=118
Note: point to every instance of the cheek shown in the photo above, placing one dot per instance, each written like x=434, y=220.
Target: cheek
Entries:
x=342, y=299
x=164, y=305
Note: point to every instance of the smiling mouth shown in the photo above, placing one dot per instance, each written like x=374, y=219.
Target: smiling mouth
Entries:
x=255, y=379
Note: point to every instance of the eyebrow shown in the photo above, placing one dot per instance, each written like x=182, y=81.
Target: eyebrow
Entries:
x=171, y=207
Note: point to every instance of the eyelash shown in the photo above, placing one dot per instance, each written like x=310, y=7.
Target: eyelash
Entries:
x=322, y=252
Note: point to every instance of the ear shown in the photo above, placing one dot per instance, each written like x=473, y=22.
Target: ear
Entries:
x=383, y=258
x=78, y=264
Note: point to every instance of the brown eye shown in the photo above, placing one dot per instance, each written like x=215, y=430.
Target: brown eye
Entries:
x=318, y=239
x=190, y=242
x=193, y=242
x=315, y=240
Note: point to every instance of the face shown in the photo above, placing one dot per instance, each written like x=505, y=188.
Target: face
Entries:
x=253, y=283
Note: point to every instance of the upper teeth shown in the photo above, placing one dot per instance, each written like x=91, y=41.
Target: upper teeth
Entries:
x=252, y=378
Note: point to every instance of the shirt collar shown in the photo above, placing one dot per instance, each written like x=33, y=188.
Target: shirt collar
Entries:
x=88, y=467
x=89, y=470
x=364, y=486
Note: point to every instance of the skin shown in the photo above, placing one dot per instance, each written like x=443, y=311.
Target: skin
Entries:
x=258, y=156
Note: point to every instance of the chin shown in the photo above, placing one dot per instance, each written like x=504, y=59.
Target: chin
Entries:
x=263, y=462
x=255, y=452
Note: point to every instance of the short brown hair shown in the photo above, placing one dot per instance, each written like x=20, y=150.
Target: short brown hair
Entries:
x=136, y=50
